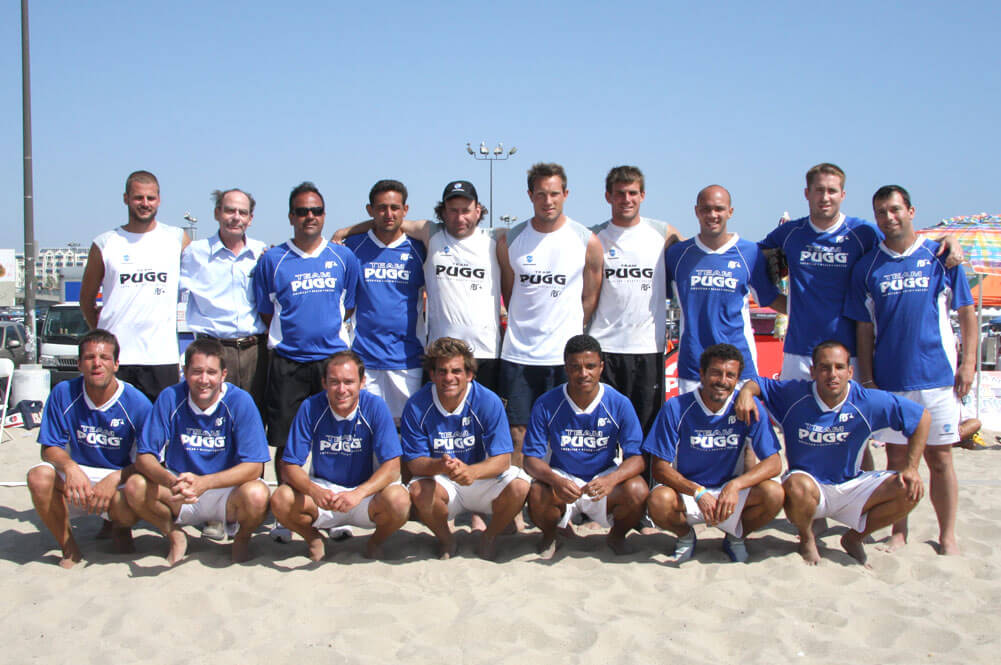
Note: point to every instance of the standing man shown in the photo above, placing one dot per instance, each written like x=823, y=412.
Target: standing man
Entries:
x=827, y=424
x=550, y=279
x=631, y=314
x=215, y=453
x=457, y=444
x=697, y=451
x=305, y=290
x=216, y=274
x=135, y=268
x=389, y=300
x=344, y=431
x=576, y=432
x=713, y=277
x=901, y=295
x=461, y=276
x=88, y=435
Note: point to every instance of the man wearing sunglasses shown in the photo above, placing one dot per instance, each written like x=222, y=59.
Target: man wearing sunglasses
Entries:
x=305, y=289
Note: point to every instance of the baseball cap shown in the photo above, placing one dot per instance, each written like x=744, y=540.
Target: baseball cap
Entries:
x=462, y=188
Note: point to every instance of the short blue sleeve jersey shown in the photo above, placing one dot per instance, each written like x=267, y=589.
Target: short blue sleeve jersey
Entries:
x=389, y=301
x=342, y=449
x=307, y=296
x=476, y=430
x=820, y=273
x=907, y=299
x=828, y=443
x=101, y=436
x=707, y=447
x=713, y=289
x=582, y=442
x=230, y=432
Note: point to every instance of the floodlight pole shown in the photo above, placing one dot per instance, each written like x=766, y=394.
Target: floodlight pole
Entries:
x=29, y=208
x=498, y=153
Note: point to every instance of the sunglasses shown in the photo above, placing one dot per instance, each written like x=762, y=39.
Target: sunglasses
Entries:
x=302, y=212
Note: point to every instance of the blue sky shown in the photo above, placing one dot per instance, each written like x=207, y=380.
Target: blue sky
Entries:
x=262, y=96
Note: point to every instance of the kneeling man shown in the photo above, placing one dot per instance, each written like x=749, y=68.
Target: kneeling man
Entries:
x=697, y=449
x=215, y=454
x=457, y=443
x=344, y=431
x=580, y=428
x=827, y=424
x=98, y=418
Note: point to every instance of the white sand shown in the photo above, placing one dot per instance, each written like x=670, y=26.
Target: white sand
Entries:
x=586, y=607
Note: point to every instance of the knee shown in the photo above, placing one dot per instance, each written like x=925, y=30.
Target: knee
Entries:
x=518, y=490
x=773, y=493
x=397, y=501
x=41, y=480
x=540, y=494
x=135, y=489
x=281, y=500
x=662, y=501
x=939, y=460
x=633, y=492
x=255, y=495
x=797, y=492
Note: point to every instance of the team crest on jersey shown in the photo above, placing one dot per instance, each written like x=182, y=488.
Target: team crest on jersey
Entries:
x=219, y=421
x=612, y=252
x=446, y=250
x=127, y=258
x=923, y=262
x=845, y=417
x=602, y=422
x=404, y=256
x=466, y=421
x=529, y=258
x=733, y=264
x=328, y=264
x=731, y=420
x=117, y=422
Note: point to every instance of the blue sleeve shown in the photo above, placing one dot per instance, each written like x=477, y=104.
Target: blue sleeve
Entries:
x=893, y=411
x=961, y=295
x=385, y=440
x=248, y=430
x=55, y=429
x=300, y=436
x=262, y=285
x=536, y=442
x=630, y=432
x=156, y=432
x=769, y=393
x=855, y=297
x=496, y=431
x=775, y=237
x=763, y=439
x=416, y=442
x=662, y=441
x=764, y=291
x=352, y=273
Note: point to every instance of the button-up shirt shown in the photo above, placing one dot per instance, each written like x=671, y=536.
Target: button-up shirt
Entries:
x=221, y=300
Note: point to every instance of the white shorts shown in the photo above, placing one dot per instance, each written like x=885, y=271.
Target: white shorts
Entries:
x=731, y=525
x=690, y=385
x=210, y=507
x=357, y=516
x=95, y=474
x=944, y=408
x=844, y=502
x=478, y=497
x=395, y=386
x=797, y=367
x=596, y=511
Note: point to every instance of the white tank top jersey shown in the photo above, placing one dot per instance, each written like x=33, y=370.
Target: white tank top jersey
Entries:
x=140, y=292
x=545, y=309
x=462, y=279
x=632, y=307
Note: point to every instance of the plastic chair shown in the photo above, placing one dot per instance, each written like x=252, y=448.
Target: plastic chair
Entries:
x=6, y=372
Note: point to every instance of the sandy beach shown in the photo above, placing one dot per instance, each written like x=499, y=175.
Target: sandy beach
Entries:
x=588, y=606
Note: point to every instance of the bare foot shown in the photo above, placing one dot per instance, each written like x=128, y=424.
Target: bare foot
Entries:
x=178, y=546
x=893, y=543
x=476, y=523
x=121, y=540
x=948, y=547
x=241, y=550
x=373, y=551
x=447, y=549
x=617, y=544
x=547, y=547
x=808, y=550
x=852, y=542
x=519, y=523
x=71, y=554
x=487, y=547
x=317, y=550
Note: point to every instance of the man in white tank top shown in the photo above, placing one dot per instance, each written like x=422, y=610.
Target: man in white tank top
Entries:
x=631, y=315
x=136, y=269
x=550, y=278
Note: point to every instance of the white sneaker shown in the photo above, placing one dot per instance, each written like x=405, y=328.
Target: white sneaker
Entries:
x=214, y=531
x=735, y=549
x=339, y=533
x=281, y=534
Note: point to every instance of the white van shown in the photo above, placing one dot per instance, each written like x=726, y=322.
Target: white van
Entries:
x=63, y=328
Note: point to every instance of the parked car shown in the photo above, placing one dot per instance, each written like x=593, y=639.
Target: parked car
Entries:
x=64, y=326
x=12, y=340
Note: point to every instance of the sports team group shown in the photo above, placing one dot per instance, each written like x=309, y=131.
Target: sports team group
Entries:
x=374, y=369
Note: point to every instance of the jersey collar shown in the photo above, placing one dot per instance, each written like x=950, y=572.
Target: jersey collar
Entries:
x=706, y=410
x=590, y=407
x=831, y=229
x=823, y=405
x=350, y=416
x=310, y=255
x=458, y=409
x=722, y=250
x=107, y=405
x=378, y=243
x=907, y=252
x=212, y=407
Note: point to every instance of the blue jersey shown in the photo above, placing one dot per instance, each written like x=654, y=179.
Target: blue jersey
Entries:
x=707, y=447
x=389, y=301
x=342, y=449
x=583, y=442
x=713, y=289
x=907, y=299
x=307, y=294
x=820, y=273
x=230, y=432
x=476, y=430
x=829, y=443
x=102, y=436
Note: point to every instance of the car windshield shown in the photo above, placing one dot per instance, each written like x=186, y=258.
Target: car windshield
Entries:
x=68, y=322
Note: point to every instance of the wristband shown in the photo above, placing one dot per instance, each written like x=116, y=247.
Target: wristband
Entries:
x=699, y=492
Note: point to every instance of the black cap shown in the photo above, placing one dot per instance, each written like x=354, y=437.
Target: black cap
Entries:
x=462, y=188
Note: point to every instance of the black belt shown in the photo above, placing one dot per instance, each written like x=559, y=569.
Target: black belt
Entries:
x=238, y=343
